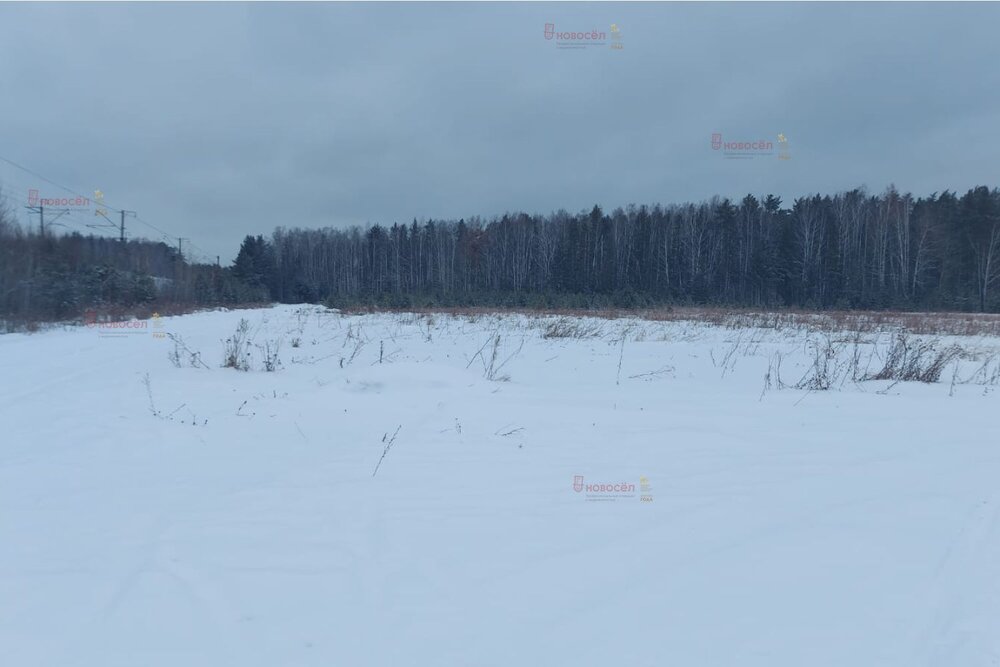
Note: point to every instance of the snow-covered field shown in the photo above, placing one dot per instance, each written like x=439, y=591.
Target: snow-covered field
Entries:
x=152, y=514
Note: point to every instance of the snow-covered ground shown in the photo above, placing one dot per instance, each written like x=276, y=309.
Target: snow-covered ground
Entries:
x=160, y=515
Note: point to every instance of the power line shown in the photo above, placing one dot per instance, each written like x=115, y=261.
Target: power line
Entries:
x=37, y=175
x=167, y=236
x=10, y=185
x=103, y=224
x=154, y=227
x=74, y=192
x=60, y=186
x=201, y=254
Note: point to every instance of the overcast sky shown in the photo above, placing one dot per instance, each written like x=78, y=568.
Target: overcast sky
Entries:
x=213, y=121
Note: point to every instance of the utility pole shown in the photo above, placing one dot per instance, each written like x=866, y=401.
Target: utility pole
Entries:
x=122, y=236
x=40, y=210
x=180, y=246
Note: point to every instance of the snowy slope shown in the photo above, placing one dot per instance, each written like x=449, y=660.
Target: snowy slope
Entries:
x=242, y=524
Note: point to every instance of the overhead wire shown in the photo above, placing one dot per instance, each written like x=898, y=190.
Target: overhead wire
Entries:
x=108, y=224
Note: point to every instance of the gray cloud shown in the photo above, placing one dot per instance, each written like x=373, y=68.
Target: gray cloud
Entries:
x=216, y=120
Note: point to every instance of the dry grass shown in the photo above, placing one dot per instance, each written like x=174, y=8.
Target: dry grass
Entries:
x=935, y=324
x=570, y=327
x=115, y=313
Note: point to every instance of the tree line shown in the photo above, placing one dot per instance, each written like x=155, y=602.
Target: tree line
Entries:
x=55, y=277
x=851, y=250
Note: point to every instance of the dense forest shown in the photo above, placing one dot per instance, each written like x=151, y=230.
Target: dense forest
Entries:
x=849, y=250
x=55, y=277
